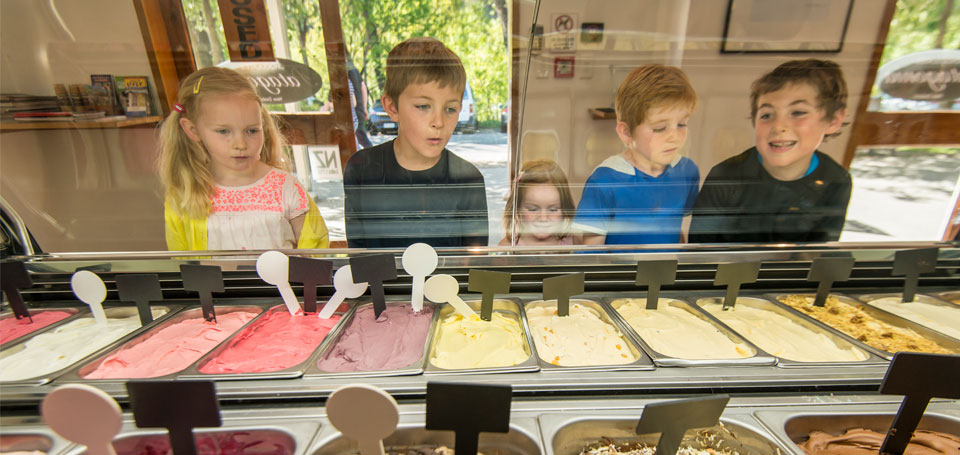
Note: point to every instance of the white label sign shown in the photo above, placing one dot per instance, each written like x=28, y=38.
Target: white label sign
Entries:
x=325, y=162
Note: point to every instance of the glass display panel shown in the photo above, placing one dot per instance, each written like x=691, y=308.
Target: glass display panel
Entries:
x=537, y=118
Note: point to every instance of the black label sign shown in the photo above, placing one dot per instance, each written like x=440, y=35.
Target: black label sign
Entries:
x=280, y=81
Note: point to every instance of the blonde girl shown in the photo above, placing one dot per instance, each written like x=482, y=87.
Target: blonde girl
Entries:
x=225, y=175
x=545, y=207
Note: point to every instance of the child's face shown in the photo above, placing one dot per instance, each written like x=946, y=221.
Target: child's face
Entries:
x=426, y=115
x=541, y=214
x=656, y=142
x=230, y=129
x=789, y=127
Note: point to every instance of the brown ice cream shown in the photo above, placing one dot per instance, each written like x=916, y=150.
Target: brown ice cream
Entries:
x=859, y=441
x=852, y=320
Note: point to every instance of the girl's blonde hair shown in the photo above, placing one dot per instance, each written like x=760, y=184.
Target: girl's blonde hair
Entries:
x=538, y=172
x=184, y=164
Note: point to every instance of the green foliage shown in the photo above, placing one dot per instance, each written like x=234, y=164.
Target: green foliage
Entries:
x=471, y=28
x=916, y=26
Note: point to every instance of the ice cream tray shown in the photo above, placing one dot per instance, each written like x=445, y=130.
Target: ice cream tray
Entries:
x=80, y=370
x=663, y=360
x=791, y=425
x=642, y=362
x=257, y=433
x=750, y=425
x=511, y=308
x=882, y=316
x=872, y=357
x=312, y=369
x=111, y=313
x=919, y=298
x=295, y=371
x=75, y=312
x=31, y=437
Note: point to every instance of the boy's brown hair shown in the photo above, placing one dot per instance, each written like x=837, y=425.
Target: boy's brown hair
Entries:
x=651, y=86
x=421, y=61
x=824, y=76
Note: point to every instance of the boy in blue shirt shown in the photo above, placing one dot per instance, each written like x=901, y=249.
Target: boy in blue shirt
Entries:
x=412, y=189
x=641, y=195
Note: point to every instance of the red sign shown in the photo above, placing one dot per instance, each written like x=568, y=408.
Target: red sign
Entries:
x=247, y=30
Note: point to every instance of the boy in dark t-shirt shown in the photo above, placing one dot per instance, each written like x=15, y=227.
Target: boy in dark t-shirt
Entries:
x=412, y=189
x=782, y=189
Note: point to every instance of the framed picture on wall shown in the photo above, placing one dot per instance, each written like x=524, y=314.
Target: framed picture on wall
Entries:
x=785, y=26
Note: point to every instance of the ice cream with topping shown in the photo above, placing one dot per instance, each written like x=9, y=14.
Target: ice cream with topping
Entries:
x=850, y=318
x=580, y=339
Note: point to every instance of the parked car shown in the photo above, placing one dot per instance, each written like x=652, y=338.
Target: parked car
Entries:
x=504, y=117
x=467, y=122
x=380, y=122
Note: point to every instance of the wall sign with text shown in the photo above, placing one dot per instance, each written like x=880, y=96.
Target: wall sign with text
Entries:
x=280, y=81
x=247, y=30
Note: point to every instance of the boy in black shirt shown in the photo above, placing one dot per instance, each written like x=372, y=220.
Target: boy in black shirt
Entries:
x=783, y=189
x=412, y=189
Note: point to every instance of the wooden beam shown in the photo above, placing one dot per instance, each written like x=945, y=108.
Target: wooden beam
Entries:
x=165, y=36
x=905, y=128
x=859, y=125
x=341, y=132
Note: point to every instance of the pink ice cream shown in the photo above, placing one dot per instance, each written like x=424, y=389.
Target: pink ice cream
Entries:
x=276, y=341
x=396, y=340
x=253, y=442
x=171, y=348
x=12, y=328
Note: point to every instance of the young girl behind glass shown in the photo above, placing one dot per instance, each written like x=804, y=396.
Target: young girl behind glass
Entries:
x=545, y=207
x=225, y=174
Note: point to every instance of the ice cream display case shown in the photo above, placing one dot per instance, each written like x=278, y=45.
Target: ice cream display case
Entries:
x=791, y=370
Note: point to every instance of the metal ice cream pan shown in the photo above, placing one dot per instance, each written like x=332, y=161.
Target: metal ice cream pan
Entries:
x=883, y=316
x=759, y=357
x=313, y=369
x=841, y=340
x=31, y=438
x=794, y=427
x=74, y=312
x=642, y=361
x=266, y=436
x=193, y=371
x=522, y=439
x=78, y=374
x=506, y=307
x=112, y=313
x=920, y=298
x=950, y=296
x=570, y=434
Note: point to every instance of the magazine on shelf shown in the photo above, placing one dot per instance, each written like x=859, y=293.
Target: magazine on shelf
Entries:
x=135, y=94
x=103, y=94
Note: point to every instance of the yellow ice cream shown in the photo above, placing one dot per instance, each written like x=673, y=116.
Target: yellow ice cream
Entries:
x=580, y=339
x=672, y=330
x=942, y=318
x=465, y=343
x=781, y=336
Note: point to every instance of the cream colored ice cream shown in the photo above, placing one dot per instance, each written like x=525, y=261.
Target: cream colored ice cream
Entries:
x=579, y=339
x=672, y=330
x=465, y=343
x=782, y=336
x=59, y=348
x=852, y=320
x=942, y=318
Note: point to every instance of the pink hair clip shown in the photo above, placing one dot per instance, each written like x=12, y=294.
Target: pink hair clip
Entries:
x=179, y=108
